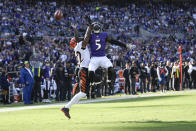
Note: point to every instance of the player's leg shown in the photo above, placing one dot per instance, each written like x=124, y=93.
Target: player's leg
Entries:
x=107, y=64
x=93, y=65
x=84, y=88
x=75, y=99
x=83, y=76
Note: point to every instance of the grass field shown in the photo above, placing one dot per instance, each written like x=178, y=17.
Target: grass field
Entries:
x=176, y=112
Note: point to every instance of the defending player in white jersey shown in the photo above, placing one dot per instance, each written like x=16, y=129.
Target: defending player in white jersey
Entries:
x=83, y=57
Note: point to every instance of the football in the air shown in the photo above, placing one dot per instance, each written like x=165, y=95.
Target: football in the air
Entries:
x=58, y=14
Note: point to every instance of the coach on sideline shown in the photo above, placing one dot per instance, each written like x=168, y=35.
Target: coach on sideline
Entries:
x=27, y=81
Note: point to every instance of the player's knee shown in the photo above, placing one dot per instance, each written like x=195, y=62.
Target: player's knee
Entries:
x=82, y=94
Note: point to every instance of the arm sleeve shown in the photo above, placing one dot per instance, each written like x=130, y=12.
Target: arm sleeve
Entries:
x=86, y=37
x=78, y=39
x=115, y=42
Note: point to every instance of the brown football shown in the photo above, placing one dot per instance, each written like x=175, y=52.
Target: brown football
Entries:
x=58, y=14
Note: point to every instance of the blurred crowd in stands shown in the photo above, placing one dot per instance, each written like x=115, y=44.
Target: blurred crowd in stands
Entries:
x=156, y=29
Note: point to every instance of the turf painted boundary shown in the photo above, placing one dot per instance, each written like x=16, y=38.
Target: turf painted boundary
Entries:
x=93, y=100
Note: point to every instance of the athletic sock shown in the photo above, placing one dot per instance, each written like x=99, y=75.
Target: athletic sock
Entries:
x=75, y=99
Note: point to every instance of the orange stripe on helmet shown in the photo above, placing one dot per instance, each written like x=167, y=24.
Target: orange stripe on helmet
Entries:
x=73, y=42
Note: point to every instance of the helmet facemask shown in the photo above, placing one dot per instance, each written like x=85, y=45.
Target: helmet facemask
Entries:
x=96, y=28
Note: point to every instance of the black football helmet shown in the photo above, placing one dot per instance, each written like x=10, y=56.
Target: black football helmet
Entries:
x=96, y=27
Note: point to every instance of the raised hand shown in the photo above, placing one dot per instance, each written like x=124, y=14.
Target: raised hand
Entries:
x=130, y=46
x=88, y=20
x=73, y=25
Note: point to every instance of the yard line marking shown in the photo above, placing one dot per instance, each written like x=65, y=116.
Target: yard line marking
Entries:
x=92, y=101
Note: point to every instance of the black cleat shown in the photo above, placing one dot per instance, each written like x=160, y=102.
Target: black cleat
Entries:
x=66, y=112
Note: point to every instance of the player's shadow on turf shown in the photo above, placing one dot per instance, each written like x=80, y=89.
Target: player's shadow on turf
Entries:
x=151, y=125
x=159, y=125
x=150, y=106
x=144, y=99
x=148, y=121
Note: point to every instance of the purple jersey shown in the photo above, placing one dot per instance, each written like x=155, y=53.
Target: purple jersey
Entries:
x=98, y=44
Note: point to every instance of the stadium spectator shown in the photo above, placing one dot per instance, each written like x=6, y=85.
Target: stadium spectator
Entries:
x=192, y=71
x=148, y=77
x=162, y=73
x=143, y=77
x=37, y=73
x=4, y=85
x=47, y=77
x=126, y=74
x=187, y=80
x=168, y=78
x=175, y=75
x=69, y=74
x=60, y=78
x=154, y=77
x=134, y=71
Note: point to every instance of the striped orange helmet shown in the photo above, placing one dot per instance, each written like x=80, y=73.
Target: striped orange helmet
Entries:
x=73, y=42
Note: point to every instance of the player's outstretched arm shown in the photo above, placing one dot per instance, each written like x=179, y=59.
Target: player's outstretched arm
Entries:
x=86, y=37
x=116, y=42
x=87, y=34
x=74, y=26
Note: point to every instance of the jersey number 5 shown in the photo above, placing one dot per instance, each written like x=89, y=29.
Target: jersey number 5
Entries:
x=97, y=42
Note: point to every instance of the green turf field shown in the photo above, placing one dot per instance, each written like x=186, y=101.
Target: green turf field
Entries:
x=158, y=113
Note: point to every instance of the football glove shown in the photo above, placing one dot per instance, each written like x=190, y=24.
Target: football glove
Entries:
x=130, y=46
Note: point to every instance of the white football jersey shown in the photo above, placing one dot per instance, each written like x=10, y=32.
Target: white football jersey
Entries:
x=83, y=56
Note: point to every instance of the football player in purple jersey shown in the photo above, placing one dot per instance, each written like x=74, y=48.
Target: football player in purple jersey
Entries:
x=97, y=43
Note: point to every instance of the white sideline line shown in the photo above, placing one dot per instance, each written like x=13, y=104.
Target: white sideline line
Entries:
x=92, y=101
